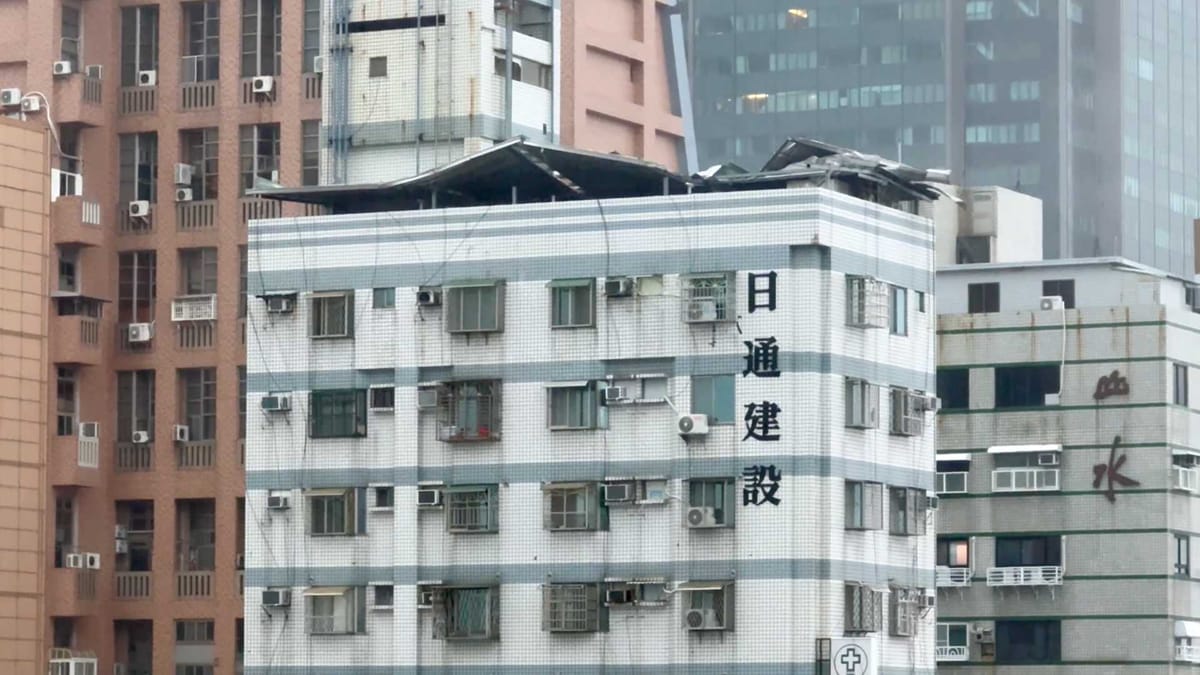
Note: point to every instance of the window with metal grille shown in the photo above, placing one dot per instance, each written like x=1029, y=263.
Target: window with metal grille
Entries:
x=571, y=608
x=864, y=609
x=469, y=411
x=472, y=508
x=333, y=314
x=310, y=157
x=198, y=271
x=135, y=403
x=194, y=631
x=331, y=512
x=907, y=412
x=864, y=505
x=200, y=151
x=571, y=506
x=262, y=35
x=709, y=605
x=139, y=42
x=474, y=307
x=572, y=303
x=312, y=35
x=136, y=286
x=138, y=174
x=198, y=396
x=708, y=297
x=467, y=614
x=259, y=148
x=572, y=406
x=338, y=413
x=862, y=404
x=908, y=509
x=68, y=401
x=202, y=41
x=905, y=611
x=866, y=302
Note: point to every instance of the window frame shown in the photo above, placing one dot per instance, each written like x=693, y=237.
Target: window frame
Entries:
x=724, y=505
x=710, y=406
x=572, y=608
x=477, y=401
x=908, y=509
x=375, y=596
x=862, y=404
x=573, y=290
x=983, y=297
x=867, y=302
x=951, y=546
x=254, y=162
x=898, y=310
x=1015, y=384
x=450, y=627
x=67, y=406
x=557, y=518
x=864, y=505
x=198, y=402
x=455, y=306
x=943, y=638
x=257, y=56
x=1183, y=555
x=383, y=298
x=488, y=506
x=906, y=412
x=1063, y=288
x=863, y=608
x=355, y=408
x=310, y=151
x=582, y=406
x=1179, y=392
x=332, y=503
x=319, y=316
x=346, y=611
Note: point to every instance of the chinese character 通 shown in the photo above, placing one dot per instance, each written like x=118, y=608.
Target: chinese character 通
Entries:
x=762, y=482
x=762, y=357
x=756, y=302
x=762, y=421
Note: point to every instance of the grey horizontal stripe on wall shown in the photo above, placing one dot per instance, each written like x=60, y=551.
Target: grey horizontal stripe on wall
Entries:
x=819, y=569
x=545, y=268
x=739, y=668
x=442, y=128
x=822, y=466
x=550, y=371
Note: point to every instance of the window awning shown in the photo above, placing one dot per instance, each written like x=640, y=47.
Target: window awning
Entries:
x=1012, y=449
x=326, y=492
x=470, y=283
x=569, y=283
x=571, y=384
x=1184, y=452
x=326, y=591
x=276, y=294
x=955, y=457
x=702, y=585
x=1188, y=629
x=635, y=580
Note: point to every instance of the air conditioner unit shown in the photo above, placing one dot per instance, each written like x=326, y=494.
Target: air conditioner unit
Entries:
x=95, y=71
x=1047, y=459
x=703, y=310
x=929, y=403
x=92, y=560
x=427, y=398
x=619, y=596
x=89, y=429
x=263, y=84
x=618, y=287
x=932, y=502
x=702, y=619
x=184, y=174
x=140, y=437
x=701, y=516
x=1050, y=302
x=277, y=597
x=429, y=297
x=147, y=78
x=982, y=634
x=63, y=68
x=929, y=601
x=119, y=532
x=692, y=425
x=279, y=501
x=318, y=64
x=429, y=497
x=425, y=598
x=121, y=546
x=183, y=194
x=31, y=104
x=140, y=332
x=139, y=208
x=280, y=304
x=276, y=403
x=619, y=492
x=239, y=561
x=183, y=433
x=74, y=560
x=10, y=98
x=614, y=394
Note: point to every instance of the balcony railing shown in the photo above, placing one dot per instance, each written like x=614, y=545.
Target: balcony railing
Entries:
x=193, y=584
x=195, y=455
x=138, y=100
x=312, y=86
x=198, y=95
x=133, y=585
x=93, y=90
x=71, y=662
x=951, y=653
x=89, y=453
x=201, y=215
x=135, y=225
x=90, y=214
x=89, y=331
x=1024, y=479
x=196, y=335
x=1035, y=575
x=135, y=457
x=1189, y=653
x=952, y=577
x=1186, y=478
x=194, y=308
x=85, y=584
x=254, y=208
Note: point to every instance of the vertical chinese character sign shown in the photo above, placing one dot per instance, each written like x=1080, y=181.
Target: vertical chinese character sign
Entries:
x=761, y=483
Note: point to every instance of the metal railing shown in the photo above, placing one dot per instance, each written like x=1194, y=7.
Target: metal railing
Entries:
x=312, y=86
x=196, y=335
x=89, y=331
x=138, y=100
x=93, y=90
x=254, y=208
x=135, y=457
x=198, y=215
x=951, y=653
x=193, y=584
x=1024, y=479
x=89, y=453
x=85, y=584
x=1190, y=653
x=195, y=454
x=194, y=308
x=1185, y=478
x=133, y=585
x=950, y=577
x=1033, y=575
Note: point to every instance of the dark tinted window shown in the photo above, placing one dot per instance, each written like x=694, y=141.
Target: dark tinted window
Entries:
x=983, y=298
x=1064, y=288
x=953, y=387
x=1028, y=551
x=1028, y=642
x=1025, y=386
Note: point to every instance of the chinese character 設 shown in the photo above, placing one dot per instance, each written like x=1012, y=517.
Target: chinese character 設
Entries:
x=762, y=482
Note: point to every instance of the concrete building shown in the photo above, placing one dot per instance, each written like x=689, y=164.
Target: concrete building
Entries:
x=985, y=225
x=1067, y=453
x=415, y=84
x=1089, y=105
x=628, y=422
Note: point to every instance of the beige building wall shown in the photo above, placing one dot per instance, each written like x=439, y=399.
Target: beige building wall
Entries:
x=24, y=237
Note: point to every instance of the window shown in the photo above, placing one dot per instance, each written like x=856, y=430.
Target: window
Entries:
x=866, y=302
x=310, y=158
x=571, y=608
x=139, y=42
x=1026, y=386
x=383, y=398
x=708, y=297
x=921, y=301
x=259, y=148
x=202, y=36
x=70, y=27
x=384, y=497
x=472, y=508
x=864, y=609
x=198, y=394
x=136, y=286
x=338, y=413
x=951, y=642
x=1183, y=555
x=908, y=508
x=907, y=412
x=864, y=505
x=467, y=613
x=951, y=476
x=899, y=310
x=1028, y=551
x=331, y=512
x=1064, y=288
x=572, y=303
x=1024, y=90
x=905, y=611
x=573, y=406
x=312, y=34
x=135, y=403
x=384, y=595
x=68, y=402
x=383, y=298
x=1028, y=642
x=983, y=298
x=199, y=149
x=716, y=494
x=469, y=411
x=261, y=37
x=1181, y=383
x=973, y=249
x=646, y=388
x=953, y=552
x=713, y=395
x=1025, y=472
x=194, y=631
x=377, y=66
x=862, y=404
x=475, y=307
x=138, y=158
x=193, y=669
x=241, y=373
x=710, y=605
x=333, y=314
x=979, y=10
x=981, y=92
x=571, y=506
x=954, y=388
x=334, y=610
x=198, y=271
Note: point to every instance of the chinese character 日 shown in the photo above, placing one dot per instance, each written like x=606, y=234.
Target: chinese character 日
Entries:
x=762, y=482
x=762, y=357
x=762, y=421
x=762, y=296
x=1112, y=471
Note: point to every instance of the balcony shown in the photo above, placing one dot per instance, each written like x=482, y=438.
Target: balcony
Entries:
x=195, y=455
x=70, y=591
x=194, y=308
x=133, y=585
x=195, y=216
x=193, y=584
x=1185, y=478
x=951, y=653
x=75, y=461
x=78, y=99
x=76, y=221
x=124, y=344
x=139, y=100
x=1025, y=479
x=75, y=339
x=312, y=86
x=198, y=95
x=1189, y=653
x=254, y=208
x=89, y=452
x=196, y=335
x=72, y=662
x=134, y=224
x=134, y=457
x=952, y=577
x=1035, y=575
